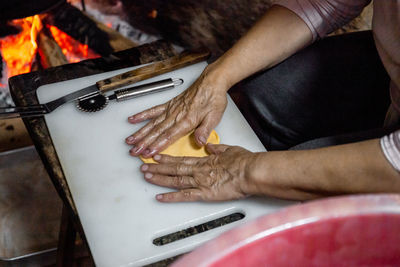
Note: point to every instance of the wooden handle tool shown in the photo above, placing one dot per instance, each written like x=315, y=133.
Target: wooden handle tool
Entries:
x=182, y=60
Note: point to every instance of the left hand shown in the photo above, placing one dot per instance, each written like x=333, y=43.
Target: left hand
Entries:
x=220, y=176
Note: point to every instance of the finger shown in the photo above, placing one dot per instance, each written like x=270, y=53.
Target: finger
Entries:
x=216, y=149
x=142, y=132
x=176, y=182
x=203, y=131
x=172, y=169
x=170, y=159
x=169, y=136
x=147, y=114
x=185, y=195
x=144, y=140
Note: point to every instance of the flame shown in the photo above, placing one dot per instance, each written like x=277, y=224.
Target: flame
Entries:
x=18, y=51
x=73, y=50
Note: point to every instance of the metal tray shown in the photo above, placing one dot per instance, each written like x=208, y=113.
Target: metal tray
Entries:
x=30, y=210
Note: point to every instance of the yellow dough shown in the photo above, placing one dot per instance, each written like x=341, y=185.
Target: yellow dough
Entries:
x=186, y=146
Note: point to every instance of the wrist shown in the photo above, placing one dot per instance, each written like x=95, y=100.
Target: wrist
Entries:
x=219, y=75
x=255, y=174
x=267, y=174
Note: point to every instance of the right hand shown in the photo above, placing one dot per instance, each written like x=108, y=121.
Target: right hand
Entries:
x=200, y=107
x=223, y=175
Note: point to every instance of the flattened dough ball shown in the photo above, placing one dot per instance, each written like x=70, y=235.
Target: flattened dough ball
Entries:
x=186, y=147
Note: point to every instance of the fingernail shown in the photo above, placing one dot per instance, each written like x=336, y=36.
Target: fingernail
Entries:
x=202, y=140
x=159, y=197
x=144, y=167
x=148, y=152
x=157, y=157
x=136, y=150
x=130, y=139
x=131, y=118
x=148, y=175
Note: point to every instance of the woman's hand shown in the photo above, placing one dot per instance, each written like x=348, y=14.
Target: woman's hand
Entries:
x=223, y=175
x=233, y=172
x=200, y=107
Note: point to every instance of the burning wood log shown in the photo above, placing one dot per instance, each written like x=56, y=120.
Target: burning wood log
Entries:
x=73, y=22
x=82, y=27
x=50, y=52
x=118, y=42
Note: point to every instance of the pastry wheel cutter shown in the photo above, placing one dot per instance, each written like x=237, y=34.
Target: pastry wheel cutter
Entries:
x=93, y=92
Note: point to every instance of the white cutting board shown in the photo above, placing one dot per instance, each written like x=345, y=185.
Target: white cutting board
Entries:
x=116, y=206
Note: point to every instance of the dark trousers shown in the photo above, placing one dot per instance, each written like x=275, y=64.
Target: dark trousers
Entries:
x=335, y=91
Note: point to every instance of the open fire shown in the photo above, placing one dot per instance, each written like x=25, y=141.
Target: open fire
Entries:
x=26, y=51
x=19, y=51
x=73, y=50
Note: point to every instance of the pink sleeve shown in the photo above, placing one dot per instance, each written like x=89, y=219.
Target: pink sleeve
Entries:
x=390, y=145
x=324, y=16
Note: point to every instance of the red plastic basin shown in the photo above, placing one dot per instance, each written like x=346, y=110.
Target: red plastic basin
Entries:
x=343, y=231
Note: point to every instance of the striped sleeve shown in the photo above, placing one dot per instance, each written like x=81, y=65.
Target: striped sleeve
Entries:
x=390, y=145
x=324, y=16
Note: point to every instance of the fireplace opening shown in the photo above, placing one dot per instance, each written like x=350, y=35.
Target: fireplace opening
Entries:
x=59, y=32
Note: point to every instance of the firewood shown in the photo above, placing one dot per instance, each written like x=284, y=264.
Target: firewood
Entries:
x=88, y=30
x=73, y=22
x=117, y=41
x=50, y=53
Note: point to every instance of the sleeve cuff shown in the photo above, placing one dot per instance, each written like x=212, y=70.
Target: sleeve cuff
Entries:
x=298, y=9
x=390, y=145
x=324, y=16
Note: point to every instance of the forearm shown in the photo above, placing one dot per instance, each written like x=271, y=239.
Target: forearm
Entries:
x=345, y=169
x=276, y=36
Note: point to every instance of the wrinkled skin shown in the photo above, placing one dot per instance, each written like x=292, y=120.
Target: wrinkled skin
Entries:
x=220, y=176
x=200, y=107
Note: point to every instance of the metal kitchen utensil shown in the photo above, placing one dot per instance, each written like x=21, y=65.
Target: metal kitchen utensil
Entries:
x=148, y=71
x=40, y=110
x=100, y=101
